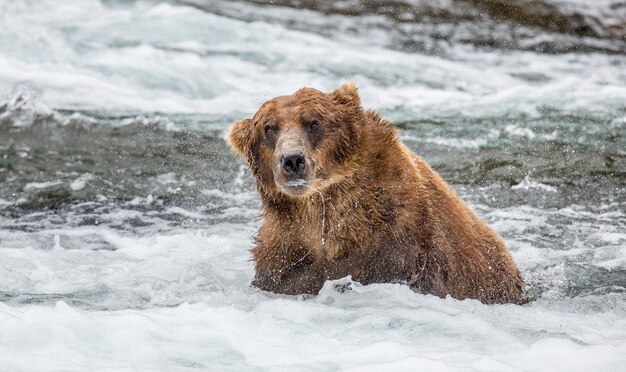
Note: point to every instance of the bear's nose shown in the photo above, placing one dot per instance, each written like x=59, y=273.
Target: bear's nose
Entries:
x=293, y=163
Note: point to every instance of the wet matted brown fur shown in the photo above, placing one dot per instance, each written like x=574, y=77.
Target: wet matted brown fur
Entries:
x=342, y=195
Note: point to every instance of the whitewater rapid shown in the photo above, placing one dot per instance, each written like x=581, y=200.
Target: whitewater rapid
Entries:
x=162, y=57
x=125, y=219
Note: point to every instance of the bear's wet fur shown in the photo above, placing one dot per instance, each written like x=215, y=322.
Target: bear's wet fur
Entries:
x=342, y=195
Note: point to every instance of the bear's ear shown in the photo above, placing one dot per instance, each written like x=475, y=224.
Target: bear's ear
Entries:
x=347, y=94
x=240, y=137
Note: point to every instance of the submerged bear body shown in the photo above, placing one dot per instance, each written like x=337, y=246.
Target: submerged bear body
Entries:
x=343, y=196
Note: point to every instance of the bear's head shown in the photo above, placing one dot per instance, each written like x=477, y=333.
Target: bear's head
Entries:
x=302, y=143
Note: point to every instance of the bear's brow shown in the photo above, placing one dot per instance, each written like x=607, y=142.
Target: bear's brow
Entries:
x=285, y=101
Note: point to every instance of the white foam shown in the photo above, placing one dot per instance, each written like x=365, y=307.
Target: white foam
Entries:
x=520, y=131
x=240, y=197
x=447, y=141
x=141, y=200
x=186, y=213
x=41, y=185
x=228, y=67
x=81, y=182
x=162, y=123
x=131, y=268
x=528, y=183
x=145, y=282
x=379, y=327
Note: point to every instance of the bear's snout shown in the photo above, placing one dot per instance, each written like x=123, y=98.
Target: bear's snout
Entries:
x=293, y=168
x=293, y=163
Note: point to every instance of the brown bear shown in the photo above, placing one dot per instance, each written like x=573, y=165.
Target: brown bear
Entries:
x=342, y=195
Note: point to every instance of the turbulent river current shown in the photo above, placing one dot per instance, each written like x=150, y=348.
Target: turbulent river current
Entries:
x=126, y=221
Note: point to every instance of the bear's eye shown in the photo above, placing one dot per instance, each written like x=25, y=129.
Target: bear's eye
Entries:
x=315, y=131
x=313, y=125
x=269, y=130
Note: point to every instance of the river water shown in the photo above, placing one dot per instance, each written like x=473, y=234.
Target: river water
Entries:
x=125, y=220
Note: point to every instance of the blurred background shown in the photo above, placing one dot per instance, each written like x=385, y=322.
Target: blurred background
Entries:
x=119, y=197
